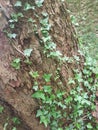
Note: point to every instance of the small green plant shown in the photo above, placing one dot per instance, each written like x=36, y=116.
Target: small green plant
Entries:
x=80, y=101
x=35, y=86
x=34, y=74
x=16, y=63
x=27, y=61
x=18, y=4
x=27, y=52
x=16, y=120
x=39, y=2
x=50, y=112
x=12, y=35
x=47, y=77
x=5, y=126
x=14, y=128
x=27, y=7
x=15, y=17
x=1, y=109
x=74, y=20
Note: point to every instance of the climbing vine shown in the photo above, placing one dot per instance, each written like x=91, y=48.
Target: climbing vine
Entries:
x=58, y=109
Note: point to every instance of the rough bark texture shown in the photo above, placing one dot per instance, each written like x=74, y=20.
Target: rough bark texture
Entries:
x=16, y=86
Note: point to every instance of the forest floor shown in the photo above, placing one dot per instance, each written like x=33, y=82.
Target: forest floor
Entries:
x=85, y=19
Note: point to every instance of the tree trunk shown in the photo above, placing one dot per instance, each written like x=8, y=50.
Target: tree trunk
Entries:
x=16, y=85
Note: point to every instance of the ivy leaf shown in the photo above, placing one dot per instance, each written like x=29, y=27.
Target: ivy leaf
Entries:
x=60, y=128
x=39, y=2
x=39, y=113
x=27, y=52
x=56, y=54
x=1, y=109
x=18, y=4
x=16, y=63
x=89, y=126
x=60, y=94
x=47, y=89
x=35, y=86
x=34, y=74
x=45, y=14
x=68, y=100
x=44, y=22
x=27, y=6
x=12, y=25
x=71, y=81
x=39, y=95
x=14, y=128
x=27, y=61
x=12, y=35
x=5, y=126
x=47, y=77
x=20, y=15
x=31, y=20
x=44, y=120
x=16, y=120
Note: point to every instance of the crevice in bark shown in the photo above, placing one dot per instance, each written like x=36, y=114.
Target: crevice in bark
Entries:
x=14, y=113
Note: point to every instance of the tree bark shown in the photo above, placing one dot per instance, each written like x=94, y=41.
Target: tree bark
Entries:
x=16, y=86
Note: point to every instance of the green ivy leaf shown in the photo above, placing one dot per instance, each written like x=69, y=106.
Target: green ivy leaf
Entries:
x=68, y=100
x=55, y=54
x=48, y=100
x=60, y=104
x=27, y=6
x=52, y=96
x=34, y=74
x=71, y=81
x=20, y=15
x=39, y=95
x=47, y=77
x=45, y=14
x=18, y=4
x=5, y=126
x=27, y=52
x=1, y=109
x=47, y=89
x=16, y=120
x=14, y=17
x=12, y=25
x=39, y=113
x=16, y=63
x=60, y=94
x=27, y=61
x=12, y=35
x=35, y=86
x=44, y=21
x=60, y=129
x=44, y=120
x=31, y=20
x=14, y=128
x=39, y=2
x=89, y=126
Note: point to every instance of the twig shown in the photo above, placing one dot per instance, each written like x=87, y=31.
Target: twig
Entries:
x=13, y=45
